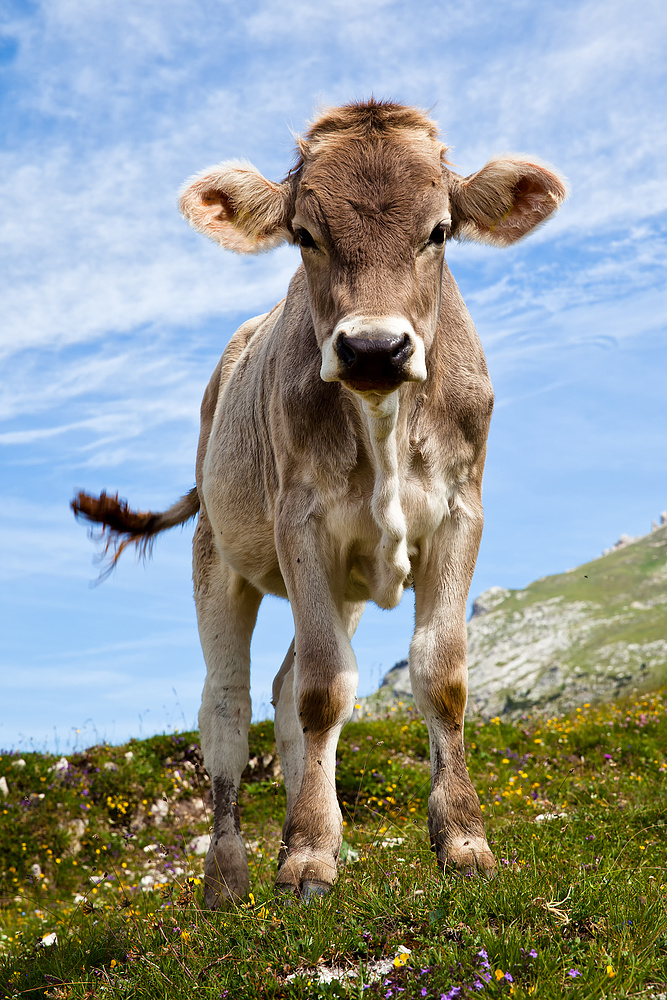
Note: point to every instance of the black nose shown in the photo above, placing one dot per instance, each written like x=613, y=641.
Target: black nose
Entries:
x=375, y=360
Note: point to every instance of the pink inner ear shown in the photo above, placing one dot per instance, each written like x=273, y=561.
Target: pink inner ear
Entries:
x=213, y=199
x=532, y=198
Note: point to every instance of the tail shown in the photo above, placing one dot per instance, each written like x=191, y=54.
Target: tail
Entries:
x=122, y=527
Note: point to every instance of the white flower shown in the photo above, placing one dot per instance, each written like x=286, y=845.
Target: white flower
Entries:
x=49, y=939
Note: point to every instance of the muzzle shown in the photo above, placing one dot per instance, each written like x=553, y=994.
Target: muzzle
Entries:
x=374, y=354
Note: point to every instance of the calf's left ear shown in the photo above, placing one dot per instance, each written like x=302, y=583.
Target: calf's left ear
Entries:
x=235, y=206
x=503, y=201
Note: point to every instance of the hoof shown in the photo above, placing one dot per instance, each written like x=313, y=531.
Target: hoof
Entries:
x=310, y=889
x=288, y=893
x=469, y=855
x=285, y=894
x=226, y=876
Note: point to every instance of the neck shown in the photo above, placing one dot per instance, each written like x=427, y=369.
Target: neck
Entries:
x=381, y=413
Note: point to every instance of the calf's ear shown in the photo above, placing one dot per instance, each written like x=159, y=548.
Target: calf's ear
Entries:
x=236, y=207
x=503, y=201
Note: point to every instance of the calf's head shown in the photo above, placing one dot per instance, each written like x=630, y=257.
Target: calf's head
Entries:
x=371, y=203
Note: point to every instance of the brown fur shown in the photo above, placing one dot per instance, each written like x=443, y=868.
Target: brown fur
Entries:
x=332, y=480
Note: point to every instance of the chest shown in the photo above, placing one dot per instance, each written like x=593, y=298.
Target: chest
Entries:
x=386, y=518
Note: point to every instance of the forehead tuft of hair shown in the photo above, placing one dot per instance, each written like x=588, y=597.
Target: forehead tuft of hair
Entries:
x=370, y=119
x=362, y=120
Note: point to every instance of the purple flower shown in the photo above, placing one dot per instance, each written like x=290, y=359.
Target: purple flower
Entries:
x=483, y=953
x=573, y=973
x=532, y=953
x=424, y=991
x=509, y=977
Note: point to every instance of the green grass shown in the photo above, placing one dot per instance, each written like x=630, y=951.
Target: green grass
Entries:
x=579, y=906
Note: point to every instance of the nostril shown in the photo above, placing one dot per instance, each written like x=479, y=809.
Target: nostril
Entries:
x=346, y=354
x=402, y=352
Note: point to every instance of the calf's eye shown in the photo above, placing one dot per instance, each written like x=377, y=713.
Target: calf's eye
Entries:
x=439, y=234
x=304, y=239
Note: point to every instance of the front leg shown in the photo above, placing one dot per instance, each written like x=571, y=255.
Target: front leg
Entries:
x=322, y=688
x=439, y=675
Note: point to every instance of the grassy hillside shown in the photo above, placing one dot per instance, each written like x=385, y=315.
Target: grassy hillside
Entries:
x=595, y=633
x=101, y=890
x=592, y=634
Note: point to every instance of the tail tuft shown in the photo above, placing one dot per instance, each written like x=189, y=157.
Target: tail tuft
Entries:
x=122, y=526
x=114, y=514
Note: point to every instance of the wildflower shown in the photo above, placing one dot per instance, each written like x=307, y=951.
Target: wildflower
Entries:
x=402, y=955
x=50, y=939
x=185, y=936
x=573, y=973
x=610, y=971
x=532, y=953
x=499, y=974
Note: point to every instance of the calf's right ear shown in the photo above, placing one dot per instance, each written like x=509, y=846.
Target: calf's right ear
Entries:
x=235, y=206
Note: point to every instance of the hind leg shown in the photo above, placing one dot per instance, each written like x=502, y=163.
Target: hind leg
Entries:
x=227, y=607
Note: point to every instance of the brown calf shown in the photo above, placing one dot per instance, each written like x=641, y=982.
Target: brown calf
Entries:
x=343, y=437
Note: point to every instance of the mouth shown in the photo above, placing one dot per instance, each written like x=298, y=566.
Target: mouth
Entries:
x=381, y=386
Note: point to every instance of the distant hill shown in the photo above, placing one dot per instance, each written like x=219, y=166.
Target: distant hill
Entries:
x=592, y=634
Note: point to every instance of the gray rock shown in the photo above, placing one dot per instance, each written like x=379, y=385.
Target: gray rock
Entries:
x=489, y=600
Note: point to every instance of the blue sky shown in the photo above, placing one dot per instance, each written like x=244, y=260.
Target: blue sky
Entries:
x=113, y=313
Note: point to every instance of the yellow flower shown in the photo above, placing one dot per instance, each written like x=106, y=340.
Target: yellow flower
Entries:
x=402, y=955
x=500, y=974
x=251, y=898
x=263, y=912
x=185, y=935
x=610, y=971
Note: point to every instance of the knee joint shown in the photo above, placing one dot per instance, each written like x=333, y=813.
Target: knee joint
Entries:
x=325, y=704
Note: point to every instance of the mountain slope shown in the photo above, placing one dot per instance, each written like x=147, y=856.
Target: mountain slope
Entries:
x=591, y=634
